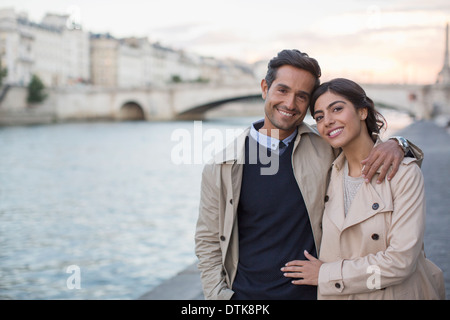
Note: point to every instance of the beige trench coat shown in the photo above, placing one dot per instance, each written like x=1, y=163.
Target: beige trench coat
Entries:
x=216, y=236
x=377, y=250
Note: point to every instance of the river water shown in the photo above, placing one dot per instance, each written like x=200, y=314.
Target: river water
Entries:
x=100, y=210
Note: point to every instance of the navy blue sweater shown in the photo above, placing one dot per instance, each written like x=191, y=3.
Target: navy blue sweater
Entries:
x=274, y=228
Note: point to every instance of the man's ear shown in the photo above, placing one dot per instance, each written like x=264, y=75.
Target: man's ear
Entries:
x=264, y=88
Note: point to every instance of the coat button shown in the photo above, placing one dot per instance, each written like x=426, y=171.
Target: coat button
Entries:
x=337, y=285
x=375, y=206
x=222, y=238
x=231, y=201
x=327, y=198
x=375, y=236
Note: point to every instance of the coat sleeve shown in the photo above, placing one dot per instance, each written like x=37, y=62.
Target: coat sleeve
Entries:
x=207, y=242
x=416, y=152
x=404, y=244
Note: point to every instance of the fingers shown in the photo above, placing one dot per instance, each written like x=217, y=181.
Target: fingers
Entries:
x=293, y=269
x=304, y=272
x=371, y=166
x=308, y=256
x=300, y=278
x=301, y=262
x=391, y=163
x=383, y=170
x=294, y=272
x=384, y=157
x=296, y=275
x=303, y=282
x=295, y=263
x=395, y=166
x=396, y=160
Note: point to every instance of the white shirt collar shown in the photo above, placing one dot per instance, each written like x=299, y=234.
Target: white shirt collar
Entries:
x=266, y=141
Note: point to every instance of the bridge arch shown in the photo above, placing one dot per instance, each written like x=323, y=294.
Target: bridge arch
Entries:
x=197, y=112
x=131, y=110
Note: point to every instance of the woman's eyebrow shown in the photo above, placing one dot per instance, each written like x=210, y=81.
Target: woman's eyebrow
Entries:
x=330, y=105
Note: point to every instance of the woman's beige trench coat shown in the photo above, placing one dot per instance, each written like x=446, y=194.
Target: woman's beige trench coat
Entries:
x=377, y=251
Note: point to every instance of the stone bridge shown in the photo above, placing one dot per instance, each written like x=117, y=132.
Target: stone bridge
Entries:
x=191, y=101
x=181, y=101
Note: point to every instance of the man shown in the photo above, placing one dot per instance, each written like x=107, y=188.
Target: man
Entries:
x=251, y=222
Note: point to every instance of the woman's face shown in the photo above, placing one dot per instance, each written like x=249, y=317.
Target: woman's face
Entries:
x=338, y=121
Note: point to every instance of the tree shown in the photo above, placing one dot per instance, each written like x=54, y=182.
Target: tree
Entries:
x=3, y=73
x=176, y=78
x=36, y=92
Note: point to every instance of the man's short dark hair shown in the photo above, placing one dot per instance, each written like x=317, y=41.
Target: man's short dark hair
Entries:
x=296, y=59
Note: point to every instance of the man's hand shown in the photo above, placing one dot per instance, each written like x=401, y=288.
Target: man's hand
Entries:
x=385, y=155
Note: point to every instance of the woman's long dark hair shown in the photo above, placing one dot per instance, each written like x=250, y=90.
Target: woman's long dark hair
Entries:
x=353, y=92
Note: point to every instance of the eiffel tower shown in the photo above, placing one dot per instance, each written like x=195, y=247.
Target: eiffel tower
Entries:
x=444, y=74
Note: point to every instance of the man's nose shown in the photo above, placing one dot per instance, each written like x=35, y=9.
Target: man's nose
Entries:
x=290, y=101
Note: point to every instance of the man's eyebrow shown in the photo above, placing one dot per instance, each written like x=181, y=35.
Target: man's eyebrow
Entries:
x=289, y=88
x=329, y=106
x=283, y=86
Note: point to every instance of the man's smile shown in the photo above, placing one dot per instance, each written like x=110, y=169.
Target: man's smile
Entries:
x=286, y=113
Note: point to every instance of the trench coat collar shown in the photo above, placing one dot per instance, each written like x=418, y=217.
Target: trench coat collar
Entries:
x=367, y=202
x=234, y=152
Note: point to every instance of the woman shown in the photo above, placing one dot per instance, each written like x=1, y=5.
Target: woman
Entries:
x=372, y=243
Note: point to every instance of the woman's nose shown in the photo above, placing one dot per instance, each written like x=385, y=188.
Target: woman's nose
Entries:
x=328, y=119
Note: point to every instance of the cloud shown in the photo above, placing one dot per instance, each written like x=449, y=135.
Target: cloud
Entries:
x=218, y=37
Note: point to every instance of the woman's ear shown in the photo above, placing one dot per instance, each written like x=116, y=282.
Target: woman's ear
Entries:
x=363, y=113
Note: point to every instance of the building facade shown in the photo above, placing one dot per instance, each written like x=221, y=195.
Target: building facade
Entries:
x=62, y=54
x=54, y=51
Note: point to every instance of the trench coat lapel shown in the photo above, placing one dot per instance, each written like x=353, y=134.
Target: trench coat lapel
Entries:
x=367, y=201
x=335, y=212
x=366, y=204
x=231, y=161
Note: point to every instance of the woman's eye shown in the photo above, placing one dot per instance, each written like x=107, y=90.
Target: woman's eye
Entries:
x=318, y=118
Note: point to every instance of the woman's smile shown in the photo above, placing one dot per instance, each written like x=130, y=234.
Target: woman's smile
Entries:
x=335, y=132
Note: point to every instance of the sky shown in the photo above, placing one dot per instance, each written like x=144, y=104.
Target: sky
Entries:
x=383, y=41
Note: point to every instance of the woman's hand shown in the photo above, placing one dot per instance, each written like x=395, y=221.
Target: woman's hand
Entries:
x=305, y=271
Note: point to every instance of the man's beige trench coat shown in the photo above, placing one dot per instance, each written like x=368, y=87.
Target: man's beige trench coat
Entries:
x=217, y=234
x=376, y=251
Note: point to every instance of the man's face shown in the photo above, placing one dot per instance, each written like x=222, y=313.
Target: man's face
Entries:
x=287, y=100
